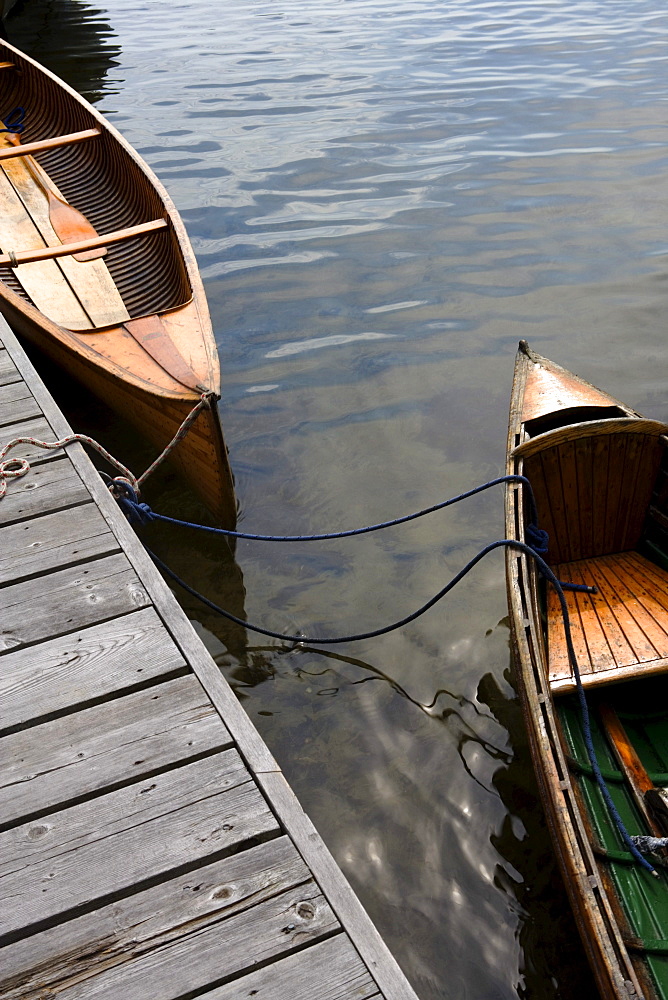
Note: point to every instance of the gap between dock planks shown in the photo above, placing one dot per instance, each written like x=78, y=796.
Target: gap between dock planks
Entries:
x=274, y=921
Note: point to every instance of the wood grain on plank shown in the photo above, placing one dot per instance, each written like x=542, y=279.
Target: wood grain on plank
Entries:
x=45, y=488
x=17, y=403
x=646, y=636
x=273, y=928
x=76, y=597
x=93, y=663
x=329, y=970
x=107, y=745
x=8, y=371
x=84, y=854
x=44, y=544
x=624, y=625
x=145, y=921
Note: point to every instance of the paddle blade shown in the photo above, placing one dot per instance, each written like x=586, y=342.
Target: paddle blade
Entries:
x=71, y=226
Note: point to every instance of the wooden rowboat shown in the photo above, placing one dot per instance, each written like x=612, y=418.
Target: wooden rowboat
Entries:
x=97, y=270
x=599, y=474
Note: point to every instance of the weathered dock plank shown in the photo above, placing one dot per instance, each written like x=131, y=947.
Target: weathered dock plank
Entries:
x=17, y=403
x=150, y=847
x=136, y=925
x=85, y=666
x=78, y=596
x=55, y=540
x=330, y=970
x=104, y=746
x=38, y=428
x=271, y=929
x=49, y=487
x=80, y=856
x=8, y=370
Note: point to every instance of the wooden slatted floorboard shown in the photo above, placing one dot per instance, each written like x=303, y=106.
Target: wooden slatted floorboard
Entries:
x=617, y=632
x=150, y=847
x=77, y=294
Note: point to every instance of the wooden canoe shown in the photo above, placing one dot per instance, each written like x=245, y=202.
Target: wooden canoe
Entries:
x=599, y=474
x=97, y=270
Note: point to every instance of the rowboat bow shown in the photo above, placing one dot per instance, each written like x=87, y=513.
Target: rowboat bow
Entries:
x=599, y=475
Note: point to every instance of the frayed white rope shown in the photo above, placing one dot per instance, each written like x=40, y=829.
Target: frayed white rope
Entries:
x=14, y=468
x=647, y=844
x=180, y=434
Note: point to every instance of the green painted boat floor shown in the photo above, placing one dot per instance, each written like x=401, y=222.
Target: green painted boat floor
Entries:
x=642, y=707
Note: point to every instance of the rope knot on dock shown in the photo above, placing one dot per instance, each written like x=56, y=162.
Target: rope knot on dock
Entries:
x=13, y=468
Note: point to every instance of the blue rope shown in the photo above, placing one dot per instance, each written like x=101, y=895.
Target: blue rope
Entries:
x=544, y=569
x=314, y=640
x=141, y=513
x=14, y=121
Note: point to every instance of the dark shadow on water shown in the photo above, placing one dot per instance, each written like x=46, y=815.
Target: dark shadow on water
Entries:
x=202, y=560
x=554, y=963
x=71, y=38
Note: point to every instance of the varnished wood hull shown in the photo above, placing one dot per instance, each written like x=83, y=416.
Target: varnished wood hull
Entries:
x=133, y=324
x=563, y=435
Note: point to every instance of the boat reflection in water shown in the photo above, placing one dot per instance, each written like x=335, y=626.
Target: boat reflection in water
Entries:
x=71, y=38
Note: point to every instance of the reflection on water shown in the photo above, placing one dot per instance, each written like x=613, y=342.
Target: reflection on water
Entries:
x=72, y=38
x=527, y=874
x=384, y=196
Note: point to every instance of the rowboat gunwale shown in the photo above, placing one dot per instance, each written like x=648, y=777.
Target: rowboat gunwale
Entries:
x=597, y=910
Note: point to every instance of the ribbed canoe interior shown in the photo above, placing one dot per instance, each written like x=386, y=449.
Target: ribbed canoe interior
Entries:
x=100, y=179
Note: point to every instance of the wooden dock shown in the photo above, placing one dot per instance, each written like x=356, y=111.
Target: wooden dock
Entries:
x=150, y=847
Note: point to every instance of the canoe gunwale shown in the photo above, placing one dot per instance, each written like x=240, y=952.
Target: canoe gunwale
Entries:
x=155, y=274
x=590, y=428
x=30, y=323
x=111, y=142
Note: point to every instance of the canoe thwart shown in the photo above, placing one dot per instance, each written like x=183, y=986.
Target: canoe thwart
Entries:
x=68, y=223
x=15, y=258
x=28, y=148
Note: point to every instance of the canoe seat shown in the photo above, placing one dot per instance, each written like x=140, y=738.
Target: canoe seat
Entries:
x=592, y=483
x=618, y=633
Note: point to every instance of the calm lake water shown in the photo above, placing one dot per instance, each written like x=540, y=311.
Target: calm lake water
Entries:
x=384, y=196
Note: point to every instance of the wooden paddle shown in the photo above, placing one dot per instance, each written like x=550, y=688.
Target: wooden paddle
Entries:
x=652, y=802
x=69, y=224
